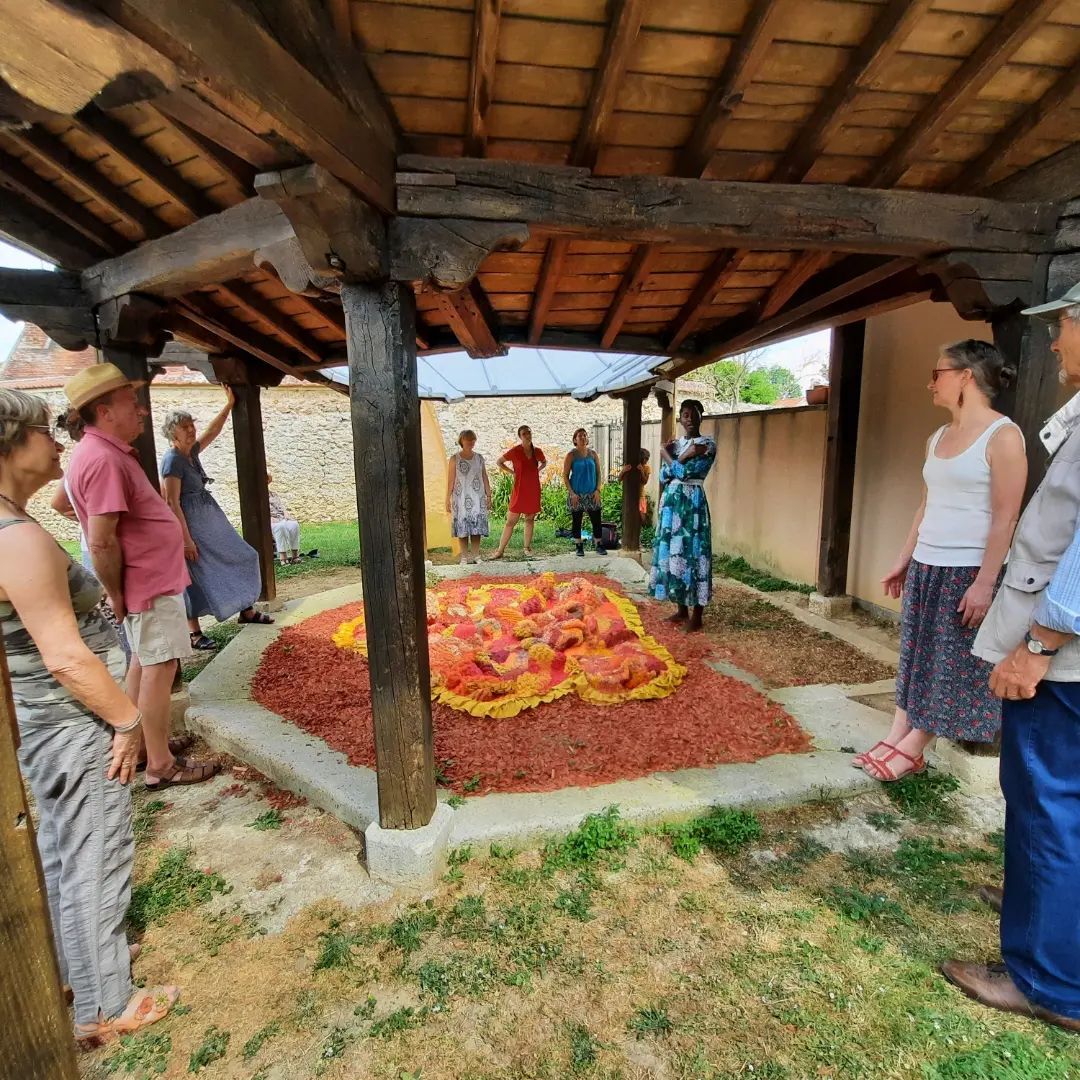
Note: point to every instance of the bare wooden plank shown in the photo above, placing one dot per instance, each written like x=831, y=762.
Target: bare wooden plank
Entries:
x=549, y=282
x=32, y=229
x=890, y=29
x=206, y=252
x=712, y=281
x=569, y=202
x=485, y=43
x=1054, y=178
x=470, y=316
x=993, y=52
x=793, y=279
x=629, y=290
x=741, y=67
x=244, y=296
x=222, y=40
x=191, y=110
x=621, y=36
x=341, y=20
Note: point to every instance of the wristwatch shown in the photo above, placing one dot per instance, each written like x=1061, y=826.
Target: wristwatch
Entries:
x=1036, y=647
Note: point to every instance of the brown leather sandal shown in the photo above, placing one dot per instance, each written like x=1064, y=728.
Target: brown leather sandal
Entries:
x=189, y=773
x=177, y=746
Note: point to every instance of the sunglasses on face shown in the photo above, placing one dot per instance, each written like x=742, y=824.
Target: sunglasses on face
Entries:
x=935, y=372
x=1054, y=330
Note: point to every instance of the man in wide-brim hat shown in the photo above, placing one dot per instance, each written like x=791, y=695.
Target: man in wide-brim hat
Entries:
x=137, y=548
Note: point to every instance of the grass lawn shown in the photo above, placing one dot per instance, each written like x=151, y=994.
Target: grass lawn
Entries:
x=731, y=947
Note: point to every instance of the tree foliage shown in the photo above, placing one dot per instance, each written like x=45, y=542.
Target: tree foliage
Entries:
x=743, y=380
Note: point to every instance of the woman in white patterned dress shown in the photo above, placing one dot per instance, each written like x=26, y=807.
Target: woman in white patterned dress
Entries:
x=468, y=496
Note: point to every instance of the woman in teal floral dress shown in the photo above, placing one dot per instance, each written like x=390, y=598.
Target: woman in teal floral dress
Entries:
x=682, y=546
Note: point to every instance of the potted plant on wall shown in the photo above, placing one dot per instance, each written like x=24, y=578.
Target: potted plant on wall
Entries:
x=818, y=394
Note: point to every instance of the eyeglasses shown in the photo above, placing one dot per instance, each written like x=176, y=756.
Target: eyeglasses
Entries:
x=44, y=427
x=935, y=372
x=1054, y=330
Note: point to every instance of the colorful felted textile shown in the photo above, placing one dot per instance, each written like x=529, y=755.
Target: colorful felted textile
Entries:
x=498, y=649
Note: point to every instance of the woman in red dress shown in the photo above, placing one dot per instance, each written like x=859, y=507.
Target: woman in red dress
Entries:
x=525, y=462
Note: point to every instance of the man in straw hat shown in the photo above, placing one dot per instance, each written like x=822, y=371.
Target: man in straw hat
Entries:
x=137, y=548
x=1032, y=634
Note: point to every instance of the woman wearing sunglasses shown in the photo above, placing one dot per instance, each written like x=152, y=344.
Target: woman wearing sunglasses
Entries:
x=947, y=573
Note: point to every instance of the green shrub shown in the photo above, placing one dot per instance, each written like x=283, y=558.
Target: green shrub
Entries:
x=175, y=885
x=553, y=506
x=500, y=495
x=611, y=501
x=723, y=830
x=599, y=837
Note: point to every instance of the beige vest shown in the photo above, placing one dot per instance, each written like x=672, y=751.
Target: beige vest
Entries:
x=1046, y=530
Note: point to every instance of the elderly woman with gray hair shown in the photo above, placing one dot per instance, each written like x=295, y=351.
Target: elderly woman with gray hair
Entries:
x=225, y=577
x=79, y=736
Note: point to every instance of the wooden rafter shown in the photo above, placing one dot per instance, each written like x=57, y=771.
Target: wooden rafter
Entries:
x=26, y=225
x=232, y=167
x=974, y=174
x=884, y=40
x=622, y=34
x=712, y=280
x=1014, y=28
x=630, y=288
x=485, y=41
x=470, y=316
x=76, y=170
x=743, y=62
x=1053, y=178
x=341, y=18
x=144, y=161
x=546, y=286
x=792, y=280
x=67, y=212
x=244, y=296
x=200, y=116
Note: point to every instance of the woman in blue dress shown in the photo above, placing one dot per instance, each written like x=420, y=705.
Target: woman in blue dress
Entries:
x=682, y=546
x=225, y=575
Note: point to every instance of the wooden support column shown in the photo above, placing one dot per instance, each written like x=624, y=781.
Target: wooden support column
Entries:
x=251, y=483
x=381, y=330
x=666, y=400
x=631, y=492
x=132, y=361
x=842, y=432
x=36, y=1043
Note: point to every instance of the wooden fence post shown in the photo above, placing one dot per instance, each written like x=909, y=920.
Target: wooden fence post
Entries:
x=251, y=482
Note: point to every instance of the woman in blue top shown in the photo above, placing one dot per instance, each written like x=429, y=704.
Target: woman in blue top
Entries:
x=682, y=547
x=581, y=475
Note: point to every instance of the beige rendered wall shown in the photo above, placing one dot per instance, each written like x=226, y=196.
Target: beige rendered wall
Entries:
x=895, y=420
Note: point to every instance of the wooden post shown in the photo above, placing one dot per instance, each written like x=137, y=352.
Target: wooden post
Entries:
x=132, y=362
x=842, y=432
x=36, y=1041
x=631, y=485
x=666, y=400
x=381, y=331
x=251, y=483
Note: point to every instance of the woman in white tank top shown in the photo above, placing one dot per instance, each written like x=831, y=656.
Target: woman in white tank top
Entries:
x=975, y=472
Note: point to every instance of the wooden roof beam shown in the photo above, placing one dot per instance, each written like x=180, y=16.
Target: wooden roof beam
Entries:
x=568, y=202
x=742, y=65
x=1013, y=29
x=621, y=36
x=53, y=300
x=244, y=296
x=792, y=280
x=199, y=116
x=470, y=317
x=26, y=226
x=1055, y=178
x=712, y=280
x=547, y=286
x=630, y=288
x=485, y=41
x=974, y=174
x=228, y=43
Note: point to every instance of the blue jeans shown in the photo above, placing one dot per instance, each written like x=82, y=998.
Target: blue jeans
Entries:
x=1040, y=778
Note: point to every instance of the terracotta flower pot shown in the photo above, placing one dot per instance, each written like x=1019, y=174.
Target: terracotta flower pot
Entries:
x=817, y=395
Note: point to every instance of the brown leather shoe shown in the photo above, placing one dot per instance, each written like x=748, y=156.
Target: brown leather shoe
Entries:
x=991, y=895
x=991, y=985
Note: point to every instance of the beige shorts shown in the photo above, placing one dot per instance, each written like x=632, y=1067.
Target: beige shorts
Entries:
x=160, y=633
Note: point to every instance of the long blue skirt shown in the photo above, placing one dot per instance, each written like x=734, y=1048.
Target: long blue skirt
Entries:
x=225, y=579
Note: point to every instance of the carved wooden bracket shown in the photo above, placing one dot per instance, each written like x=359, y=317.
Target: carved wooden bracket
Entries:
x=134, y=322
x=980, y=284
x=338, y=236
x=52, y=300
x=238, y=371
x=446, y=252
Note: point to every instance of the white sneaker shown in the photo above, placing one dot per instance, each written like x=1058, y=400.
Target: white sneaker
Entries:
x=464, y=560
x=477, y=560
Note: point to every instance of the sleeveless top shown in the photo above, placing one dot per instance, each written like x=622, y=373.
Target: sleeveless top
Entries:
x=956, y=524
x=582, y=474
x=39, y=697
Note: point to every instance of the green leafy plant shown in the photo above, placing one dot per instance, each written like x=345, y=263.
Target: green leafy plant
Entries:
x=272, y=819
x=407, y=931
x=455, y=801
x=651, y=1020
x=142, y=1055
x=583, y=1047
x=500, y=495
x=144, y=820
x=735, y=566
x=255, y=1043
x=175, y=885
x=213, y=1047
x=366, y=1009
x=599, y=837
x=858, y=906
x=926, y=797
x=1008, y=1056
x=723, y=830
x=576, y=903
x=884, y=821
x=398, y=1021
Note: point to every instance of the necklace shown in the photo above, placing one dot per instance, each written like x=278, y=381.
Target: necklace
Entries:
x=11, y=502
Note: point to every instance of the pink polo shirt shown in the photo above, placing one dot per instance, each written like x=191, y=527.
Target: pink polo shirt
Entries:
x=104, y=477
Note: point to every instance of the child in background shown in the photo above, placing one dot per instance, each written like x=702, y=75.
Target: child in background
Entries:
x=644, y=471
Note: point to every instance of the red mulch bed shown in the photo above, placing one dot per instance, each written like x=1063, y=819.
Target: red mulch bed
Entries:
x=711, y=719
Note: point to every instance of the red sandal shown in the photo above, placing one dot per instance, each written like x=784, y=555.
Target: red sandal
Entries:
x=859, y=760
x=880, y=769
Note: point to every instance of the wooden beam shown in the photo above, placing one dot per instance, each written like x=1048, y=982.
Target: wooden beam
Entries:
x=711, y=281
x=244, y=296
x=187, y=108
x=32, y=229
x=622, y=32
x=37, y=1043
x=485, y=41
x=792, y=280
x=238, y=333
x=225, y=41
x=386, y=442
x=975, y=173
x=132, y=361
x=841, y=439
x=251, y=484
x=627, y=294
x=181, y=327
x=569, y=202
x=1055, y=179
x=144, y=161
x=546, y=287
x=53, y=300
x=206, y=252
x=885, y=39
x=1013, y=29
x=631, y=485
x=234, y=169
x=49, y=149
x=763, y=21
x=470, y=316
x=341, y=18
x=15, y=176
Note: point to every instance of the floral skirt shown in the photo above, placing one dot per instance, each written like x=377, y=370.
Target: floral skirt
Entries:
x=942, y=687
x=682, y=547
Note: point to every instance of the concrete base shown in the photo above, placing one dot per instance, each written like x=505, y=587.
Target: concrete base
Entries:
x=979, y=775
x=409, y=857
x=829, y=607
